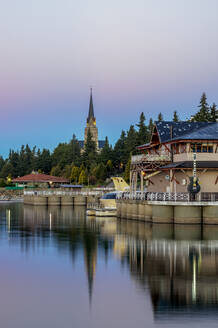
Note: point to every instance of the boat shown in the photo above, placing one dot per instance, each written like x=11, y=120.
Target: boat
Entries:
x=107, y=203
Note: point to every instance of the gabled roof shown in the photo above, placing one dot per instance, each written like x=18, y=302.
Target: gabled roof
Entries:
x=168, y=131
x=40, y=177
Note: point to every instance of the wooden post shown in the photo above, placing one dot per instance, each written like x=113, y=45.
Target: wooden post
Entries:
x=171, y=180
x=136, y=179
x=142, y=180
x=130, y=179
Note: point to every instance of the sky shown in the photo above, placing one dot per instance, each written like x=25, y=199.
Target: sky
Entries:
x=142, y=55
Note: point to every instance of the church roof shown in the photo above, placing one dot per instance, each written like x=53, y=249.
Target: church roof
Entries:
x=100, y=143
x=91, y=109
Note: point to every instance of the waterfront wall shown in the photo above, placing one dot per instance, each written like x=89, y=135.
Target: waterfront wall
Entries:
x=168, y=212
x=61, y=200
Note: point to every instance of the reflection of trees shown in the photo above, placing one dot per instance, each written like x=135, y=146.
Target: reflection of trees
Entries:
x=66, y=229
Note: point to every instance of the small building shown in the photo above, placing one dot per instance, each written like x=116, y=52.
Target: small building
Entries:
x=167, y=162
x=41, y=180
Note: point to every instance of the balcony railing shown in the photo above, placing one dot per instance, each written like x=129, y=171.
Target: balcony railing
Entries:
x=169, y=197
x=135, y=159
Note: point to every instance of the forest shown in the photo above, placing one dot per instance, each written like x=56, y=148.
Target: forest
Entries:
x=88, y=166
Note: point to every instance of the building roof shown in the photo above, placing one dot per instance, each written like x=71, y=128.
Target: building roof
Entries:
x=100, y=143
x=40, y=177
x=91, y=108
x=169, y=131
x=189, y=165
x=71, y=186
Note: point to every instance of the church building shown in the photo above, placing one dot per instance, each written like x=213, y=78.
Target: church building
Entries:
x=91, y=126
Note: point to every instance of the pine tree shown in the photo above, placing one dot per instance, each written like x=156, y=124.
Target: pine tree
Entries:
x=106, y=152
x=213, y=113
x=150, y=127
x=143, y=134
x=175, y=117
x=160, y=117
x=203, y=115
x=89, y=155
x=119, y=150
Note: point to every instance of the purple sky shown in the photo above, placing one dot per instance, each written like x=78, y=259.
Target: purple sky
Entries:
x=139, y=55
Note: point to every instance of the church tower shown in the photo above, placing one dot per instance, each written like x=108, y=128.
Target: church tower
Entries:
x=91, y=123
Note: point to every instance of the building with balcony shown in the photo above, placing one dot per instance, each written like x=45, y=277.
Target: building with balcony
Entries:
x=166, y=163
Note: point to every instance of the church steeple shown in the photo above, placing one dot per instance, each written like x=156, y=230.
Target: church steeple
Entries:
x=91, y=116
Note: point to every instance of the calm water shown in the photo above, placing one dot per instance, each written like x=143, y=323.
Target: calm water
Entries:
x=59, y=269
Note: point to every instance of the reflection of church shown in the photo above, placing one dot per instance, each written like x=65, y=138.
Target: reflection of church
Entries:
x=91, y=126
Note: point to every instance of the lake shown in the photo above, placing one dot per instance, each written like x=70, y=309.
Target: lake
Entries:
x=61, y=269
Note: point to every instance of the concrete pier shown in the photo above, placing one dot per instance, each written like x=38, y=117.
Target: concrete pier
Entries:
x=80, y=200
x=210, y=215
x=168, y=211
x=54, y=200
x=162, y=214
x=67, y=201
x=188, y=214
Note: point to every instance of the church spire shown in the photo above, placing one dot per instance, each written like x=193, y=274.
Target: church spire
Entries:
x=91, y=109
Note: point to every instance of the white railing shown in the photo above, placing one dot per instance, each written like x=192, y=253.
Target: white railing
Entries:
x=61, y=193
x=150, y=158
x=166, y=197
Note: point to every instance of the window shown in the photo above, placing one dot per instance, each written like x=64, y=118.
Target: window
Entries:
x=201, y=148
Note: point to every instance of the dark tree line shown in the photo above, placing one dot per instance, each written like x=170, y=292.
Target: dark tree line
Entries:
x=88, y=166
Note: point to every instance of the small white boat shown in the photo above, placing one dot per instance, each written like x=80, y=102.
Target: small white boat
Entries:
x=107, y=206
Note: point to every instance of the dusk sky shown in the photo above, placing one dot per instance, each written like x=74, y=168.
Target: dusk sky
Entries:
x=142, y=55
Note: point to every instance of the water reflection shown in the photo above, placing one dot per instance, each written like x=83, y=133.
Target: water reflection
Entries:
x=177, y=265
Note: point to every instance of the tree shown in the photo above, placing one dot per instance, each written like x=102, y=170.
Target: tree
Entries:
x=56, y=171
x=101, y=172
x=143, y=134
x=66, y=172
x=6, y=170
x=175, y=117
x=119, y=150
x=130, y=143
x=160, y=117
x=89, y=155
x=75, y=172
x=75, y=151
x=150, y=127
x=44, y=161
x=83, y=179
x=203, y=115
x=213, y=113
x=106, y=152
x=109, y=166
x=127, y=171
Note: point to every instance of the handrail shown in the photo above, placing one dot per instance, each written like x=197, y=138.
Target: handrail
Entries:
x=166, y=196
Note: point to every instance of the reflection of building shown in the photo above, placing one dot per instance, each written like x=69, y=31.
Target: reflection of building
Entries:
x=166, y=163
x=91, y=126
x=182, y=276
